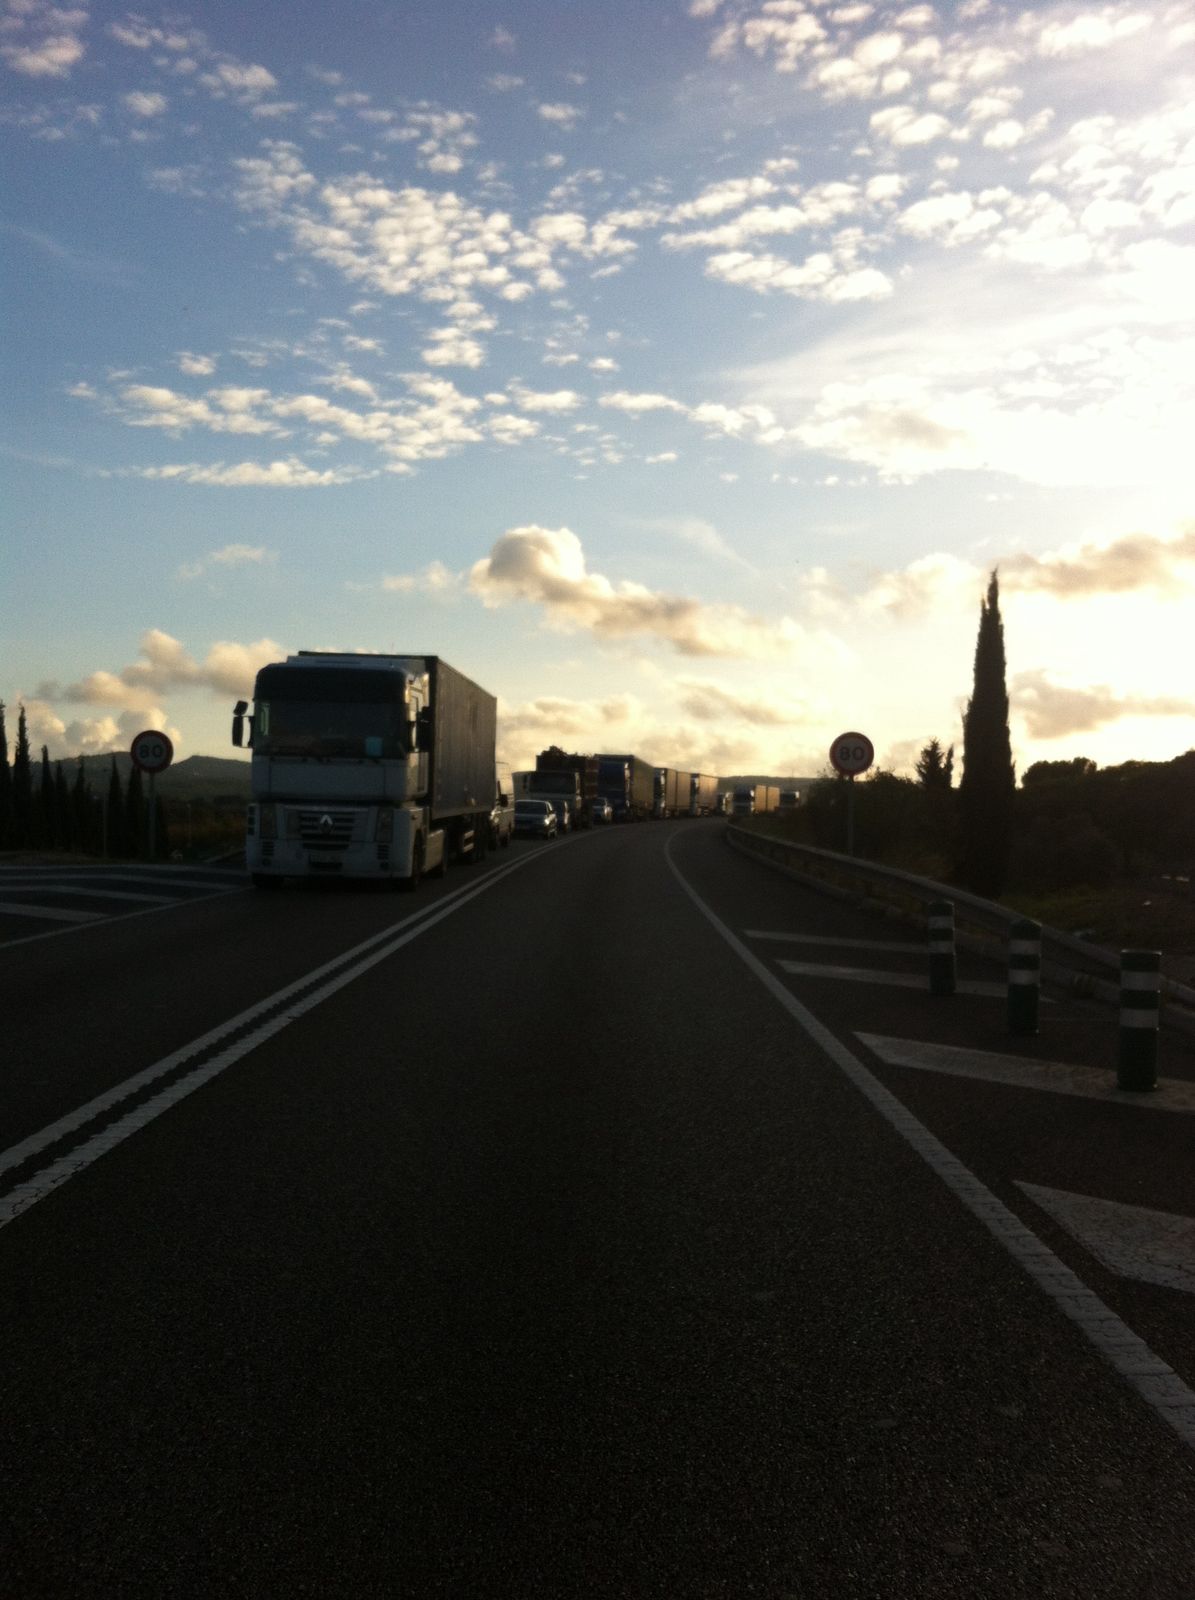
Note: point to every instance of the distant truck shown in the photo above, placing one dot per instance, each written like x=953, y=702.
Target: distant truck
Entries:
x=565, y=779
x=703, y=795
x=671, y=792
x=752, y=799
x=366, y=766
x=628, y=782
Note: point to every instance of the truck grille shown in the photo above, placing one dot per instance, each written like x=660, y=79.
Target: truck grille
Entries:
x=326, y=830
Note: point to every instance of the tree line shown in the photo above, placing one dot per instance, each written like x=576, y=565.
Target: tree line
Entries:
x=51, y=811
x=1068, y=824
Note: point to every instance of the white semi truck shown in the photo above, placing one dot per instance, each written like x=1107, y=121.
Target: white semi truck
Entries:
x=365, y=766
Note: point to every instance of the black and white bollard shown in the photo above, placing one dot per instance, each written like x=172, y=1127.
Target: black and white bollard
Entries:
x=941, y=947
x=1024, y=976
x=1140, y=998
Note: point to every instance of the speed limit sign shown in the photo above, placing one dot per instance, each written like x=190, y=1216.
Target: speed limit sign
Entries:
x=851, y=753
x=152, y=751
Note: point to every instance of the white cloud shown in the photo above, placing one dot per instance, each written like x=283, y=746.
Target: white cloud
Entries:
x=241, y=79
x=546, y=567
x=710, y=702
x=557, y=401
x=560, y=115
x=230, y=555
x=289, y=474
x=143, y=104
x=727, y=195
x=1053, y=710
x=904, y=126
x=435, y=579
x=1090, y=31
x=46, y=38
x=164, y=665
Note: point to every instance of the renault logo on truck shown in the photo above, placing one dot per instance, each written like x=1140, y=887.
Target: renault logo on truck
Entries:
x=325, y=823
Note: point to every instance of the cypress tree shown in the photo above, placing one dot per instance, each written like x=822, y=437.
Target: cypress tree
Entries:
x=136, y=839
x=62, y=809
x=114, y=828
x=22, y=788
x=81, y=811
x=989, y=778
x=935, y=767
x=47, y=829
x=161, y=831
x=5, y=785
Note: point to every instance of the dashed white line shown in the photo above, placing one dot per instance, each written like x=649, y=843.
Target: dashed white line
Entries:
x=362, y=956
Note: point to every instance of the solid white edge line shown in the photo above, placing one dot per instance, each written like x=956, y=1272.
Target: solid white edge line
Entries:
x=74, y=1120
x=1157, y=1383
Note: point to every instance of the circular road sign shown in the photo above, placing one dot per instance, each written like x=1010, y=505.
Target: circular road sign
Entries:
x=152, y=751
x=851, y=753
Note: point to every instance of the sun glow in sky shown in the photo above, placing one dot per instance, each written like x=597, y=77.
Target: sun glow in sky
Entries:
x=679, y=370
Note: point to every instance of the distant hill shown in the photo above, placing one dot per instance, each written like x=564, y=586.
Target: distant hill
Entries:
x=194, y=778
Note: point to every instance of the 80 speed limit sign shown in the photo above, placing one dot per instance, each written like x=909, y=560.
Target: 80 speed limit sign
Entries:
x=851, y=753
x=152, y=751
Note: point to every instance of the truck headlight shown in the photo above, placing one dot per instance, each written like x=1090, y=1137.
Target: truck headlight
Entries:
x=384, y=827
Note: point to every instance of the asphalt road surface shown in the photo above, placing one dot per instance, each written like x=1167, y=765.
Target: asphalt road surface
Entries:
x=545, y=1235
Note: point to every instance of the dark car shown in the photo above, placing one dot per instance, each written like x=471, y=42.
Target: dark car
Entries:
x=535, y=818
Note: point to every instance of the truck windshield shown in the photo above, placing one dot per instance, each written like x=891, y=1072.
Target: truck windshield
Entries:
x=325, y=728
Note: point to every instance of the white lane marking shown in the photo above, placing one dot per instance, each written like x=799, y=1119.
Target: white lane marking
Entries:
x=66, y=882
x=82, y=1115
x=88, y=893
x=845, y=944
x=1058, y=1077
x=49, y=913
x=1157, y=1384
x=1132, y=1241
x=900, y=980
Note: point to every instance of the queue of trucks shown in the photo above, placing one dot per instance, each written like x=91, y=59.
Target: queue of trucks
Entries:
x=384, y=766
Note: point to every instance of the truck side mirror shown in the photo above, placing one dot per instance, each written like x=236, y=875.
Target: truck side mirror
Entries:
x=238, y=722
x=425, y=725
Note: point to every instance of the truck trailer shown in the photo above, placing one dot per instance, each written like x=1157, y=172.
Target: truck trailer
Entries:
x=628, y=782
x=365, y=766
x=671, y=792
x=703, y=795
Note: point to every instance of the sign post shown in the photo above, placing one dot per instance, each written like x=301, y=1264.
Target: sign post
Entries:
x=850, y=754
x=152, y=753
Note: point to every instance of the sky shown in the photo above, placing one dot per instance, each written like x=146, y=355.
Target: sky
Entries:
x=677, y=369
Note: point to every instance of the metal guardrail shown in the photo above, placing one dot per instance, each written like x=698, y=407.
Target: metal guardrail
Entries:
x=980, y=925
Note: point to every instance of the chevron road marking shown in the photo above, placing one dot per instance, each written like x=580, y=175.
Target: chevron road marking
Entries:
x=847, y=944
x=1132, y=1241
x=49, y=913
x=1093, y=1083
x=902, y=980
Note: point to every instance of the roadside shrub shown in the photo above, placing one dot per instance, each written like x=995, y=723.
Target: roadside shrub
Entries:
x=1065, y=853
